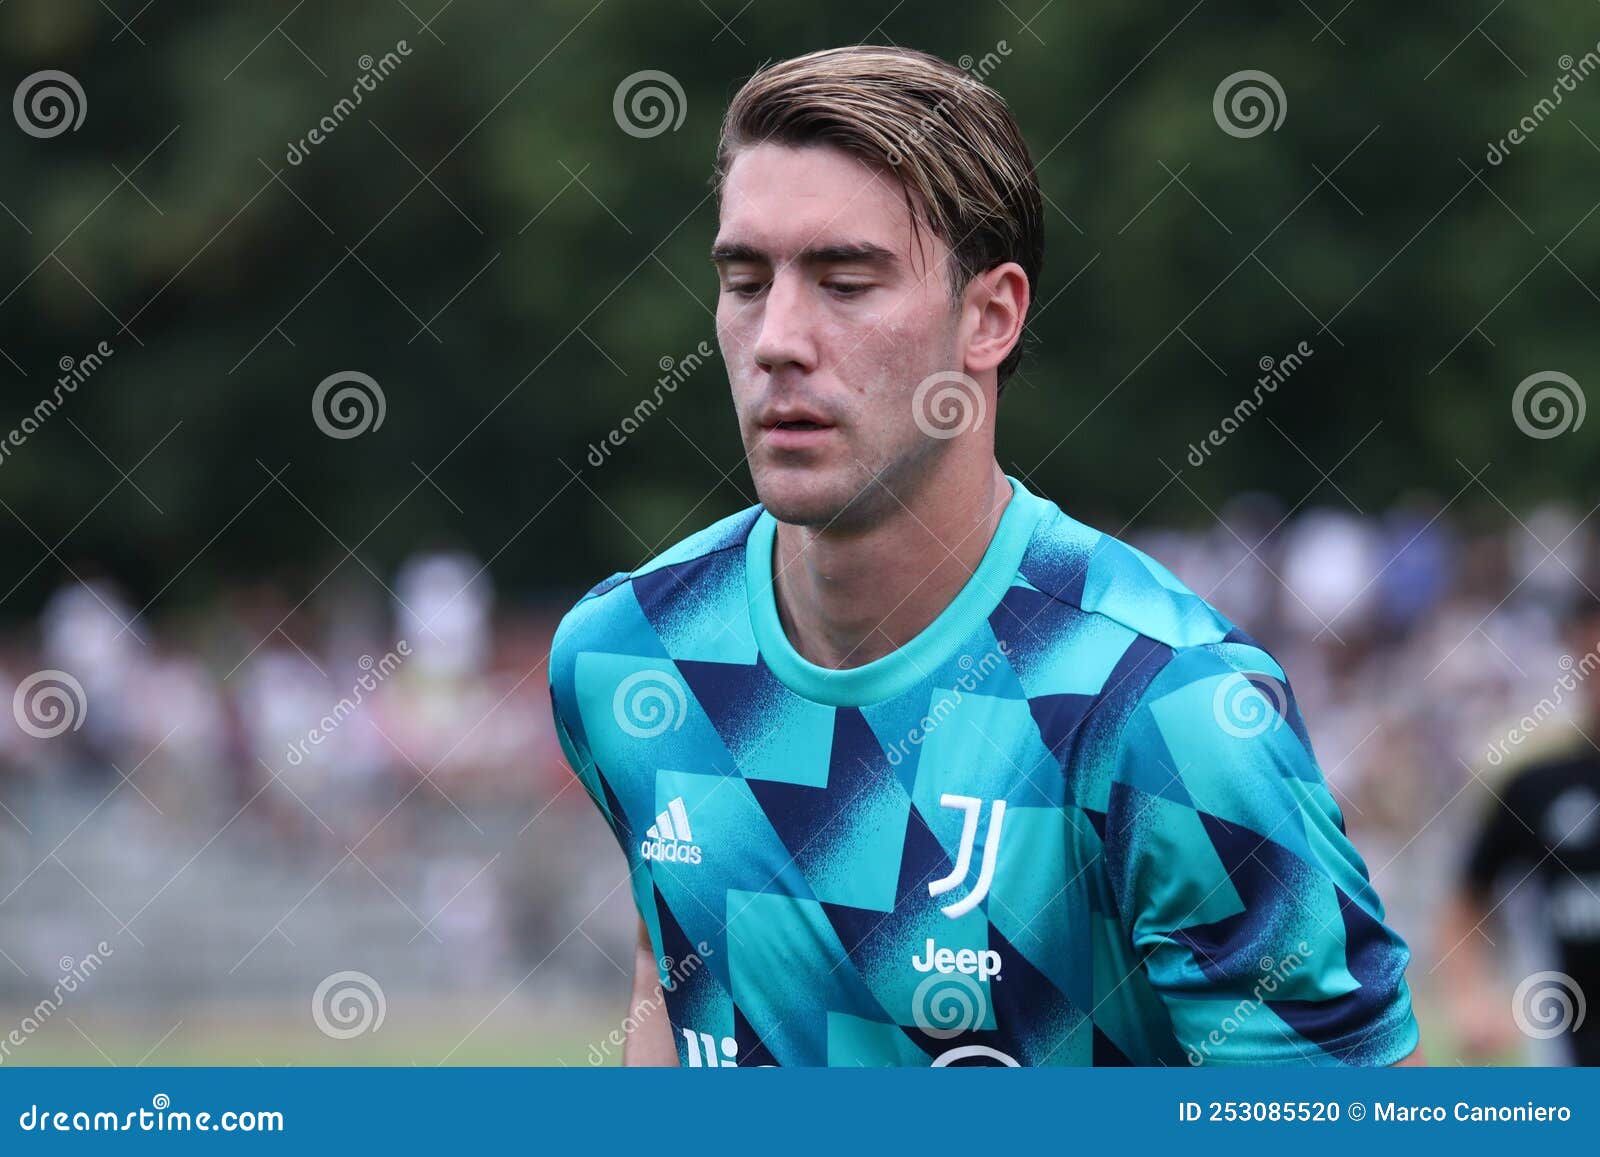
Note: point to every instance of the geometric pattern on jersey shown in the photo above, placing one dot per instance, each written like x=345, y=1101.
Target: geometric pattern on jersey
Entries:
x=1075, y=821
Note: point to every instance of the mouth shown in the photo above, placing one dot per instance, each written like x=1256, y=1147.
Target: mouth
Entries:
x=794, y=430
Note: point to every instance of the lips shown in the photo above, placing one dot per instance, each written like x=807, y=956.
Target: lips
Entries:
x=794, y=428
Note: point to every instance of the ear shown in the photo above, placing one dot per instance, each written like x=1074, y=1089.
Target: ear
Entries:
x=994, y=308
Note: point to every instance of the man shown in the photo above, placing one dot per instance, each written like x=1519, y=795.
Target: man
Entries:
x=1534, y=865
x=911, y=768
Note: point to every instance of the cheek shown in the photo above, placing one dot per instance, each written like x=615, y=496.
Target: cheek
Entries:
x=883, y=360
x=734, y=339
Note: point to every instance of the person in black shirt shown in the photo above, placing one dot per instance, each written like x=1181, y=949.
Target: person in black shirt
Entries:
x=1533, y=872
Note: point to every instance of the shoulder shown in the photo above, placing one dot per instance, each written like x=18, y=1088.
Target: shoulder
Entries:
x=1167, y=636
x=1102, y=575
x=1155, y=676
x=629, y=612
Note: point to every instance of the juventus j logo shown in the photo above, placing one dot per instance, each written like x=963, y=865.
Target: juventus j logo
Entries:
x=969, y=836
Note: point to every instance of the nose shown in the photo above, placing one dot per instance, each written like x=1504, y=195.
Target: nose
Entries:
x=786, y=335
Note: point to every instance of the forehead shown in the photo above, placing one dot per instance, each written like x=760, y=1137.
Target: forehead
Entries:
x=783, y=199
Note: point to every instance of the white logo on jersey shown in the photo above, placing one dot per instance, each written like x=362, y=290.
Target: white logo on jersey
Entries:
x=982, y=1054
x=669, y=839
x=969, y=837
x=702, y=1050
x=966, y=960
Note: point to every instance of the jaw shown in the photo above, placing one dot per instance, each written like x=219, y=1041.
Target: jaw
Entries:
x=848, y=489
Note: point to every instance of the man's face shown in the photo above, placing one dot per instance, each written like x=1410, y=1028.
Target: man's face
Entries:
x=829, y=317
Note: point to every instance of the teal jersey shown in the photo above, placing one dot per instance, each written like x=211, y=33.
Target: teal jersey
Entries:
x=1077, y=820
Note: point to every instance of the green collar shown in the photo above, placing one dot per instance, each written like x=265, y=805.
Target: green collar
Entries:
x=884, y=678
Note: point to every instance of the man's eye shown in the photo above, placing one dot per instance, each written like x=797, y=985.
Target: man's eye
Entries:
x=744, y=288
x=847, y=288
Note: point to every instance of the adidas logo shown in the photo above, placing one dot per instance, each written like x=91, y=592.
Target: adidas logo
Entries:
x=669, y=839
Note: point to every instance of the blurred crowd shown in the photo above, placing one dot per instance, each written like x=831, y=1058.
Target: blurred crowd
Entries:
x=343, y=699
x=373, y=714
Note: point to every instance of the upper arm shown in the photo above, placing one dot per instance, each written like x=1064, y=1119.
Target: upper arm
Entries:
x=1252, y=910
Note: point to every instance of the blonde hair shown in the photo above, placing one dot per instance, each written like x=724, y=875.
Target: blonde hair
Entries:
x=947, y=137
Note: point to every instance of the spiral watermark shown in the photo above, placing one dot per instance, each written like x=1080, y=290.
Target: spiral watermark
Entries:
x=348, y=1004
x=1548, y=1004
x=948, y=1004
x=358, y=405
x=49, y=103
x=1248, y=103
x=49, y=703
x=1246, y=705
x=649, y=103
x=1548, y=404
x=948, y=404
x=649, y=703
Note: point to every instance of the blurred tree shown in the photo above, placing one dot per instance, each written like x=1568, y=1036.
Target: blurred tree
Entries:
x=481, y=236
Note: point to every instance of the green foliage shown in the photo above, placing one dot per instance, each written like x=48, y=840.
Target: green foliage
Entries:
x=557, y=260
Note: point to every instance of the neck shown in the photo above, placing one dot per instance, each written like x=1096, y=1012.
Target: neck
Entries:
x=847, y=597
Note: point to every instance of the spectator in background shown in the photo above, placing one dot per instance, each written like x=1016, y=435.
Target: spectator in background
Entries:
x=1534, y=868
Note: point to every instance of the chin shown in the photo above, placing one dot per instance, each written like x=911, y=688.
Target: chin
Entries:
x=808, y=496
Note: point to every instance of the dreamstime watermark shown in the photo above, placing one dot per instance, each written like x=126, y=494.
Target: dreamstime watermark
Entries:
x=1548, y=1004
x=74, y=372
x=1248, y=704
x=977, y=71
x=674, y=372
x=374, y=672
x=348, y=1004
x=677, y=972
x=49, y=103
x=1274, y=973
x=373, y=73
x=356, y=406
x=649, y=103
x=1274, y=372
x=648, y=703
x=973, y=672
x=1548, y=404
x=73, y=974
x=48, y=703
x=1575, y=673
x=947, y=404
x=159, y=1118
x=1573, y=73
x=1248, y=103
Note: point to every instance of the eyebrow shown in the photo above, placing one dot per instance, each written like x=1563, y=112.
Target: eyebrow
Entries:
x=855, y=251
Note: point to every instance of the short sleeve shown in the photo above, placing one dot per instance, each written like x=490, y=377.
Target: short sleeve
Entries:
x=578, y=760
x=1252, y=911
x=588, y=773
